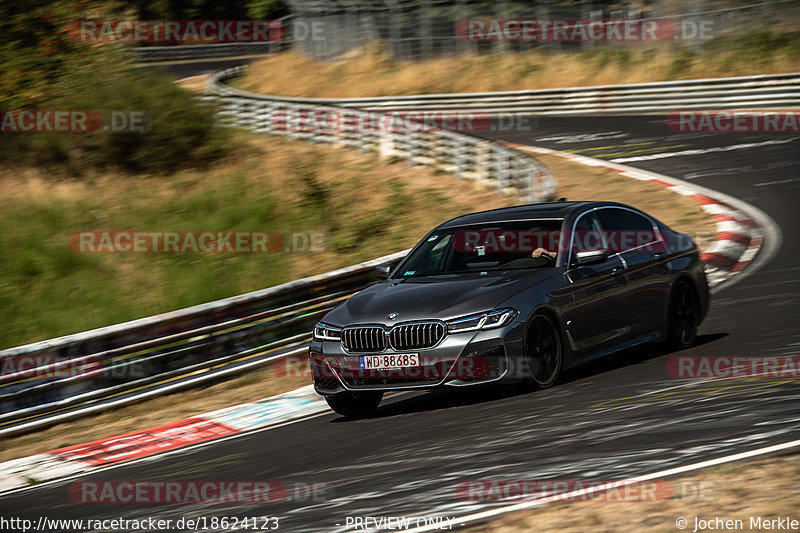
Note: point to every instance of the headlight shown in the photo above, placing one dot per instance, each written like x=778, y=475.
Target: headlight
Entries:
x=487, y=320
x=324, y=332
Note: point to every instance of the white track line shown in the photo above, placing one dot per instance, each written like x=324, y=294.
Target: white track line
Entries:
x=463, y=520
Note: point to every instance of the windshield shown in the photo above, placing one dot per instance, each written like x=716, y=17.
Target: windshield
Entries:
x=481, y=248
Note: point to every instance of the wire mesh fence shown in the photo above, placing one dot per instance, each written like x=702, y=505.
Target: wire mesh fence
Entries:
x=424, y=29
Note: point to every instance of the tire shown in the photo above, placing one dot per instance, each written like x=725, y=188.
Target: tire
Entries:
x=684, y=316
x=544, y=353
x=355, y=404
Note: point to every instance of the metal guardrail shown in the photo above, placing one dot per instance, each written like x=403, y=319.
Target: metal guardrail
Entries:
x=762, y=91
x=488, y=163
x=152, y=54
x=415, y=30
x=103, y=368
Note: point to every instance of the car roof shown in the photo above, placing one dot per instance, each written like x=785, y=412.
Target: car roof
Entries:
x=524, y=212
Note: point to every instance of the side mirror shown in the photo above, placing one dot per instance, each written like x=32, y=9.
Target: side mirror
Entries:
x=382, y=271
x=590, y=257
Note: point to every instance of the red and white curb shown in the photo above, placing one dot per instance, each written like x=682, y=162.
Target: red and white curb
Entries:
x=83, y=458
x=739, y=237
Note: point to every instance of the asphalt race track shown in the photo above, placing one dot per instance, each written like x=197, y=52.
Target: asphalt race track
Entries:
x=622, y=416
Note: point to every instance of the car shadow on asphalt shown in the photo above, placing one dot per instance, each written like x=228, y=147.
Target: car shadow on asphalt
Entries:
x=440, y=399
x=447, y=398
x=632, y=356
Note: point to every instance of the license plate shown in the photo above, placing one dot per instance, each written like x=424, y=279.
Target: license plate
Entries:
x=383, y=362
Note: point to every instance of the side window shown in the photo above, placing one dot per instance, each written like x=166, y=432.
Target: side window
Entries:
x=625, y=229
x=615, y=219
x=588, y=234
x=643, y=229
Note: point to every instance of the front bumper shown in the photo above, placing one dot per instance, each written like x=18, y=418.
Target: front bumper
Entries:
x=460, y=359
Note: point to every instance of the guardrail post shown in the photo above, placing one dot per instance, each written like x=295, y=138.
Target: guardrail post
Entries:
x=460, y=159
x=502, y=174
x=386, y=144
x=483, y=172
x=367, y=141
x=292, y=131
x=262, y=122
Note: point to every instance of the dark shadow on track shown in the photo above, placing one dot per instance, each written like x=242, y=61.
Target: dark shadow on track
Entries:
x=441, y=399
x=446, y=398
x=632, y=356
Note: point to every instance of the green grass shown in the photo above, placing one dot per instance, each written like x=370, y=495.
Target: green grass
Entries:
x=48, y=290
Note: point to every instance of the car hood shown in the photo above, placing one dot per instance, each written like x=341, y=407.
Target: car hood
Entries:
x=435, y=297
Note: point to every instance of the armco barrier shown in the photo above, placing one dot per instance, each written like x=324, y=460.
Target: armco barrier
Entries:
x=505, y=169
x=152, y=54
x=146, y=352
x=170, y=53
x=746, y=92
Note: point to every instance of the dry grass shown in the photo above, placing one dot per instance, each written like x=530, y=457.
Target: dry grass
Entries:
x=765, y=488
x=194, y=83
x=372, y=73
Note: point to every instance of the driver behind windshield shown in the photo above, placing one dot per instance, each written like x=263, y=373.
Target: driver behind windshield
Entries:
x=492, y=247
x=539, y=252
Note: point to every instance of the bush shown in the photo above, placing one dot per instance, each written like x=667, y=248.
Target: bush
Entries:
x=180, y=129
x=179, y=133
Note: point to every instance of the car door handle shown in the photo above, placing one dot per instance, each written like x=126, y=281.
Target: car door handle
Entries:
x=617, y=270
